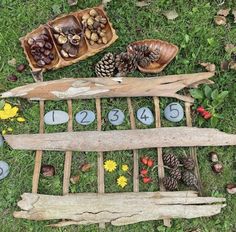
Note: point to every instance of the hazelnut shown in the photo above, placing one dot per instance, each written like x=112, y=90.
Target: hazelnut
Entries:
x=217, y=167
x=47, y=170
x=88, y=33
x=213, y=157
x=93, y=13
x=85, y=16
x=104, y=40
x=94, y=37
x=64, y=54
x=90, y=21
x=12, y=78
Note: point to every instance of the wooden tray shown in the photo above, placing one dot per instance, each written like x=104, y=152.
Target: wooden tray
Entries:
x=85, y=50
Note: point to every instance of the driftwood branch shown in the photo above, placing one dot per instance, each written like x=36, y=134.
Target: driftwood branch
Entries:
x=87, y=88
x=121, y=139
x=117, y=208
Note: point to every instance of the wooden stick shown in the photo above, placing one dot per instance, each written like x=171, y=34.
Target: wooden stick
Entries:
x=100, y=160
x=122, y=139
x=39, y=153
x=68, y=156
x=193, y=150
x=161, y=170
x=87, y=88
x=126, y=208
x=135, y=152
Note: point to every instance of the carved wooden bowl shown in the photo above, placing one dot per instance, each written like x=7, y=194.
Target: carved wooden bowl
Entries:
x=168, y=52
x=73, y=20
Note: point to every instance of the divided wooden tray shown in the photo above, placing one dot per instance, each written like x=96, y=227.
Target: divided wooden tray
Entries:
x=73, y=20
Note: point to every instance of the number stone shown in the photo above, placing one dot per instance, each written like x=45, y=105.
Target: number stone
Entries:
x=56, y=117
x=116, y=117
x=145, y=116
x=4, y=169
x=174, y=112
x=85, y=117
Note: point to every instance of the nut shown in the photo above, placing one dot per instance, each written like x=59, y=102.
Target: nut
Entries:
x=41, y=63
x=85, y=16
x=217, y=167
x=72, y=51
x=21, y=68
x=102, y=34
x=93, y=13
x=213, y=157
x=62, y=39
x=47, y=170
x=66, y=47
x=99, y=41
x=40, y=43
x=94, y=37
x=96, y=25
x=91, y=42
x=12, y=78
x=57, y=29
x=88, y=33
x=103, y=20
x=90, y=21
x=64, y=54
x=30, y=41
x=104, y=40
x=98, y=18
x=48, y=45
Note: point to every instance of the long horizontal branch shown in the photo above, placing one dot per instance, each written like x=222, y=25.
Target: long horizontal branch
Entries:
x=122, y=139
x=87, y=88
x=117, y=208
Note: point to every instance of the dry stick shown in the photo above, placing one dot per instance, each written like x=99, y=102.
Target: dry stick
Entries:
x=193, y=150
x=68, y=156
x=39, y=154
x=101, y=186
x=161, y=170
x=135, y=152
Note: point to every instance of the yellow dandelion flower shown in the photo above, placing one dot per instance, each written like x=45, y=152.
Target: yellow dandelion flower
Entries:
x=125, y=167
x=20, y=119
x=8, y=111
x=110, y=165
x=122, y=181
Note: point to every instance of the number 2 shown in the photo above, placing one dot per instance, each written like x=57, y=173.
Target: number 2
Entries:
x=85, y=116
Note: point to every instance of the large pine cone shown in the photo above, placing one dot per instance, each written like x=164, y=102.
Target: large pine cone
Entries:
x=106, y=66
x=190, y=179
x=170, y=160
x=188, y=163
x=170, y=183
x=125, y=62
x=175, y=173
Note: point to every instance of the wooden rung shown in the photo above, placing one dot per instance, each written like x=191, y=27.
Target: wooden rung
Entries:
x=161, y=170
x=135, y=152
x=100, y=160
x=68, y=155
x=39, y=154
x=193, y=150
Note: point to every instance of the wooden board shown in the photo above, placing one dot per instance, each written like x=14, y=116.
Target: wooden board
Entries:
x=121, y=139
x=87, y=88
x=117, y=208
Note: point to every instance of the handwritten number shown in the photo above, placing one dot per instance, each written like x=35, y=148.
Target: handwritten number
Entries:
x=174, y=115
x=144, y=116
x=115, y=115
x=85, y=116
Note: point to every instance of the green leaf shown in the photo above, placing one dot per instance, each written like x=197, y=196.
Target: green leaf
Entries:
x=2, y=103
x=197, y=93
x=207, y=91
x=214, y=121
x=222, y=95
x=211, y=41
x=214, y=94
x=56, y=9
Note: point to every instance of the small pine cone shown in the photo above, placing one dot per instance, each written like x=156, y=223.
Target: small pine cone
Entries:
x=175, y=173
x=188, y=163
x=170, y=160
x=154, y=55
x=106, y=66
x=125, y=62
x=170, y=183
x=190, y=179
x=144, y=62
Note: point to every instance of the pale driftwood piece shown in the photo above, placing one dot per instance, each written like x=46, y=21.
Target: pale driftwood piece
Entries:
x=193, y=150
x=100, y=172
x=39, y=153
x=161, y=171
x=87, y=88
x=68, y=155
x=116, y=208
x=122, y=139
x=135, y=152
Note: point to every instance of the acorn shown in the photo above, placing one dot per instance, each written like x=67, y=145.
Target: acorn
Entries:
x=217, y=167
x=213, y=157
x=12, y=78
x=47, y=170
x=21, y=68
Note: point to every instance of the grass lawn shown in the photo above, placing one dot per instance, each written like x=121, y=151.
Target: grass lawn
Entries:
x=199, y=40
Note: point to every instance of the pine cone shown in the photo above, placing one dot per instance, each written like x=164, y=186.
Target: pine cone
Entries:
x=188, y=163
x=175, y=173
x=126, y=62
x=106, y=66
x=144, y=54
x=170, y=160
x=190, y=179
x=170, y=183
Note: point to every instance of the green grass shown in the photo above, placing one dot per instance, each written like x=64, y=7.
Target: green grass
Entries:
x=191, y=31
